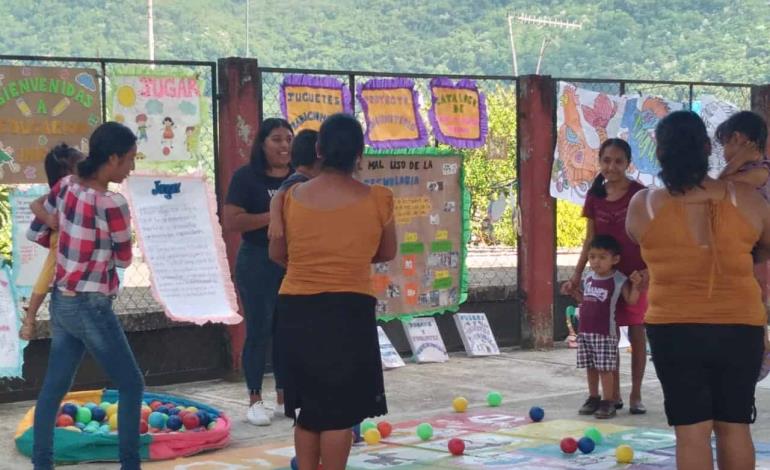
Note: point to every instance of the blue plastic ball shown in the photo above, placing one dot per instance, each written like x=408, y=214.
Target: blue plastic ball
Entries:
x=163, y=409
x=174, y=411
x=98, y=414
x=586, y=445
x=80, y=425
x=204, y=418
x=294, y=464
x=357, y=432
x=536, y=414
x=70, y=409
x=157, y=420
x=174, y=423
x=91, y=405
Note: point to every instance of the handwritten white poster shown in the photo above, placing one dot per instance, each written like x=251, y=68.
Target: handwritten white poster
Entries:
x=163, y=111
x=181, y=239
x=11, y=347
x=390, y=357
x=28, y=257
x=425, y=340
x=476, y=334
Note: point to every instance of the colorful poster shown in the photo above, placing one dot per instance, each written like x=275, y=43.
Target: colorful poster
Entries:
x=392, y=113
x=425, y=340
x=307, y=100
x=431, y=211
x=458, y=113
x=11, y=347
x=714, y=112
x=584, y=119
x=476, y=334
x=164, y=111
x=41, y=107
x=180, y=236
x=388, y=354
x=28, y=257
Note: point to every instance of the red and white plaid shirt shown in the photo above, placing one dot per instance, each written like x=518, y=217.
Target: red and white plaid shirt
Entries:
x=94, y=237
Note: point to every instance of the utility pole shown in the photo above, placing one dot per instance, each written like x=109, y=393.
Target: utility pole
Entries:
x=540, y=22
x=150, y=30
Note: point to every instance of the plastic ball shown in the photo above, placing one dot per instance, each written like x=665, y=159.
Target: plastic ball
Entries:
x=162, y=409
x=104, y=405
x=624, y=454
x=211, y=425
x=144, y=413
x=98, y=414
x=568, y=445
x=536, y=414
x=70, y=409
x=594, y=434
x=80, y=426
x=143, y=427
x=204, y=418
x=157, y=420
x=192, y=409
x=357, y=433
x=456, y=446
x=104, y=429
x=91, y=405
x=367, y=425
x=191, y=421
x=72, y=428
x=424, y=431
x=460, y=404
x=494, y=399
x=155, y=404
x=174, y=423
x=113, y=422
x=173, y=411
x=64, y=420
x=112, y=409
x=586, y=445
x=294, y=465
x=372, y=437
x=385, y=429
x=83, y=415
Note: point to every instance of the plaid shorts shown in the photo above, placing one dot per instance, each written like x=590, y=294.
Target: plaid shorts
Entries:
x=597, y=351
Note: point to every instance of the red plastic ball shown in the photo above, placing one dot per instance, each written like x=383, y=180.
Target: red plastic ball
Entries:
x=385, y=429
x=191, y=421
x=143, y=427
x=64, y=420
x=145, y=413
x=155, y=405
x=568, y=445
x=456, y=446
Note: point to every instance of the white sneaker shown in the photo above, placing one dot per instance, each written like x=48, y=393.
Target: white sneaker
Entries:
x=257, y=414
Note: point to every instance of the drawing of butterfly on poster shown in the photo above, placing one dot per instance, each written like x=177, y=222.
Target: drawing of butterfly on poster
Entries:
x=164, y=111
x=585, y=119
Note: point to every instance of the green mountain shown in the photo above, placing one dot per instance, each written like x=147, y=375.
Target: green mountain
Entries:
x=709, y=40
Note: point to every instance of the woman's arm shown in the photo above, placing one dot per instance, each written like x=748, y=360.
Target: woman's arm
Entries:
x=51, y=219
x=387, y=249
x=636, y=216
x=278, y=251
x=574, y=282
x=754, y=178
x=236, y=219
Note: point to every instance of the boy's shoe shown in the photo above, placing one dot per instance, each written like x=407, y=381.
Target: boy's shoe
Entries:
x=606, y=410
x=258, y=414
x=590, y=406
x=619, y=405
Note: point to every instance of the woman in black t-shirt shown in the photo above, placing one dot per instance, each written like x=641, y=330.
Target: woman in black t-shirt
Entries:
x=247, y=210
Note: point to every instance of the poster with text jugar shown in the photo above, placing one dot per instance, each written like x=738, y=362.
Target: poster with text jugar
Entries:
x=41, y=107
x=430, y=208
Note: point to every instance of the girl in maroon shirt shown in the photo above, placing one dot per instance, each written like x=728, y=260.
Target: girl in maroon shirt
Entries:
x=605, y=208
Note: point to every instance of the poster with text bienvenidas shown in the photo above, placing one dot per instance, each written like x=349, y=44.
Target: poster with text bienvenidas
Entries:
x=164, y=111
x=11, y=347
x=430, y=204
x=41, y=107
x=180, y=236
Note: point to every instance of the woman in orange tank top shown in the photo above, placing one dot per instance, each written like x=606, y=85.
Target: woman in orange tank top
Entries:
x=335, y=228
x=705, y=320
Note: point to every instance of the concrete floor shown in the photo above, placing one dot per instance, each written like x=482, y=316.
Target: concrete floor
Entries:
x=525, y=378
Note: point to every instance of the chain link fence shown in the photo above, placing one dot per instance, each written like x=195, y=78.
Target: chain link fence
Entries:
x=135, y=296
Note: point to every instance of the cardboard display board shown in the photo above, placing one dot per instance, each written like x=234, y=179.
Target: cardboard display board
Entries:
x=430, y=205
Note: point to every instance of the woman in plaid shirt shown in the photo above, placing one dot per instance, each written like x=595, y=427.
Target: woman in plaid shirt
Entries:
x=94, y=239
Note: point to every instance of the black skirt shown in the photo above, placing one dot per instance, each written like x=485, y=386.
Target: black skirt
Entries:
x=330, y=359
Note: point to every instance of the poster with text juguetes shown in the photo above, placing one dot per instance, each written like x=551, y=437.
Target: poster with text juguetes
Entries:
x=430, y=205
x=164, y=111
x=41, y=107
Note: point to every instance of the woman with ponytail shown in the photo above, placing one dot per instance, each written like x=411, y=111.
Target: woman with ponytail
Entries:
x=605, y=210
x=94, y=239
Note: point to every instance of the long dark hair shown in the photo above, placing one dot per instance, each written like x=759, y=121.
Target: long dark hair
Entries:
x=258, y=157
x=111, y=138
x=683, y=151
x=61, y=161
x=597, y=187
x=750, y=124
x=341, y=142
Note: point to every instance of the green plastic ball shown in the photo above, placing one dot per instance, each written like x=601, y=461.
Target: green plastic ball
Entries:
x=494, y=399
x=594, y=434
x=83, y=415
x=367, y=425
x=424, y=431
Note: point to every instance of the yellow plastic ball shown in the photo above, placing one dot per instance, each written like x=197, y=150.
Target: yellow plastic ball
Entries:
x=192, y=409
x=460, y=404
x=372, y=437
x=624, y=454
x=112, y=409
x=113, y=422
